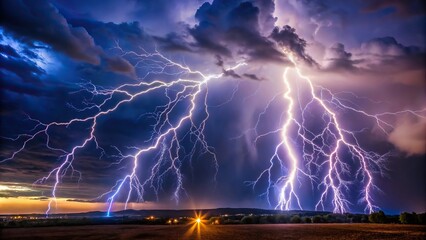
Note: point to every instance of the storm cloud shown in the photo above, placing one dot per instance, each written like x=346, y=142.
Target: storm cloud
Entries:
x=236, y=25
x=58, y=58
x=41, y=21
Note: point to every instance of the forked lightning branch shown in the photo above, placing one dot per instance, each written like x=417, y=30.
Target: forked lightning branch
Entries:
x=327, y=150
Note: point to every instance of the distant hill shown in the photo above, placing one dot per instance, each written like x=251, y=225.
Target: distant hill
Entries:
x=186, y=213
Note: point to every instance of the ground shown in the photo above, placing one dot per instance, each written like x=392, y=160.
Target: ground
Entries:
x=232, y=232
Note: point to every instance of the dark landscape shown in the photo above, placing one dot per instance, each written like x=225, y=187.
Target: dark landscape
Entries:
x=221, y=223
x=232, y=232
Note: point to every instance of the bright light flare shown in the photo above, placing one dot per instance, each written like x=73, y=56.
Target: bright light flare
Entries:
x=197, y=224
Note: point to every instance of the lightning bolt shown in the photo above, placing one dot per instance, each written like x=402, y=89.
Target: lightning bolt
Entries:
x=167, y=134
x=331, y=157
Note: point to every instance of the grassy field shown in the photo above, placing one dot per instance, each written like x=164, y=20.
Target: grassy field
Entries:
x=225, y=232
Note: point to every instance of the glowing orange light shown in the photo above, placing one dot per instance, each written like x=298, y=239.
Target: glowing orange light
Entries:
x=197, y=224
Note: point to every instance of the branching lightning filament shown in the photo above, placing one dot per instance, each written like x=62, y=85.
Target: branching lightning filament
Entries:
x=167, y=132
x=314, y=143
x=316, y=147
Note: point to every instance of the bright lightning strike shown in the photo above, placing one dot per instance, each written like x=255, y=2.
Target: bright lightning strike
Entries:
x=328, y=155
x=167, y=133
x=321, y=150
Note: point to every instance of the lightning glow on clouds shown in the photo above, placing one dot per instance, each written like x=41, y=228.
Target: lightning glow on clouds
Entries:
x=328, y=142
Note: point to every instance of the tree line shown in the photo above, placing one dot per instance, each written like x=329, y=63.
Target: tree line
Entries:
x=403, y=218
x=376, y=217
x=307, y=217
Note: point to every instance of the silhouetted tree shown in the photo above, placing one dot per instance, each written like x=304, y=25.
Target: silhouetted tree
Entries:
x=317, y=219
x=408, y=218
x=421, y=218
x=282, y=218
x=250, y=220
x=377, y=217
x=267, y=219
x=403, y=218
x=295, y=219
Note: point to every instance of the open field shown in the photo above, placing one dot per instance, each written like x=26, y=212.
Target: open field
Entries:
x=232, y=232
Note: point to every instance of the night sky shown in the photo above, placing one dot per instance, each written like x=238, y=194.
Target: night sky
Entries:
x=60, y=58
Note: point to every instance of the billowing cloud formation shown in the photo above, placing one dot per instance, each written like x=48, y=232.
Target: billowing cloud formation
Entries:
x=148, y=12
x=387, y=46
x=266, y=18
x=405, y=64
x=287, y=38
x=129, y=35
x=409, y=136
x=18, y=66
x=398, y=71
x=336, y=58
x=41, y=21
x=13, y=189
x=228, y=27
x=378, y=57
x=174, y=42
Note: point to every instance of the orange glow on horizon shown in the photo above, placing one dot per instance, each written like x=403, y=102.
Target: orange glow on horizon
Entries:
x=28, y=205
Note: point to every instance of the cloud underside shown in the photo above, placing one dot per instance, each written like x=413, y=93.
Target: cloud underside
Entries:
x=409, y=136
x=403, y=64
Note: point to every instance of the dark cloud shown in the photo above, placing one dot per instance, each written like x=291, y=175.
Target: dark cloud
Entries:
x=19, y=73
x=337, y=58
x=40, y=198
x=407, y=8
x=120, y=65
x=130, y=35
x=205, y=35
x=404, y=64
x=388, y=46
x=224, y=25
x=219, y=61
x=288, y=39
x=252, y=76
x=148, y=12
x=18, y=190
x=41, y=21
x=266, y=18
x=173, y=42
x=238, y=25
x=8, y=51
x=231, y=73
